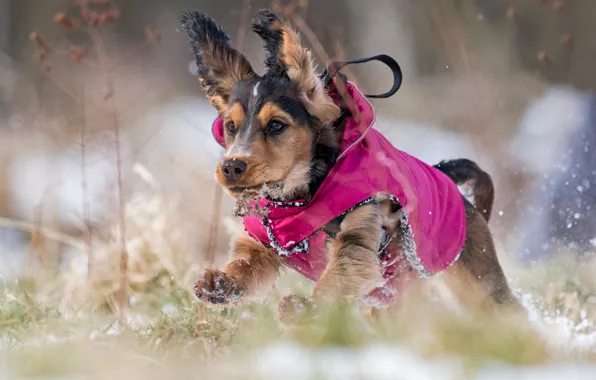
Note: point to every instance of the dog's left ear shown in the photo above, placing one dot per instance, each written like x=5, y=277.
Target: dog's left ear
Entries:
x=286, y=56
x=219, y=65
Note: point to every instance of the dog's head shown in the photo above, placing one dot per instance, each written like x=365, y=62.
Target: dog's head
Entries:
x=277, y=127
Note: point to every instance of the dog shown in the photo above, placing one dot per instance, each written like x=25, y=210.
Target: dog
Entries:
x=331, y=197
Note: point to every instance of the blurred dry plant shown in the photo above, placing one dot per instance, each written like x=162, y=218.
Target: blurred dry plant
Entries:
x=88, y=18
x=158, y=261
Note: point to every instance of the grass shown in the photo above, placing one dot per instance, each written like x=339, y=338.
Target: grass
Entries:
x=170, y=333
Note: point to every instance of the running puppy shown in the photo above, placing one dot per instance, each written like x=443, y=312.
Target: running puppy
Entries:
x=323, y=192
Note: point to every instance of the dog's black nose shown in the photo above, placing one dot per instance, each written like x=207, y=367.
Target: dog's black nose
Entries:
x=233, y=169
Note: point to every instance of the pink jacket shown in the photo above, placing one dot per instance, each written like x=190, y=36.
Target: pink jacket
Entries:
x=434, y=219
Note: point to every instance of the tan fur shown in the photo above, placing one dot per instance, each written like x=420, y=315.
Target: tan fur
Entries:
x=231, y=69
x=302, y=70
x=476, y=279
x=286, y=159
x=390, y=215
x=254, y=266
x=248, y=277
x=295, y=185
x=235, y=115
x=353, y=269
x=217, y=101
x=271, y=111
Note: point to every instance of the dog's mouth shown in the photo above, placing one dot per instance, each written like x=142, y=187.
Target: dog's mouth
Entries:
x=271, y=191
x=242, y=194
x=268, y=189
x=239, y=190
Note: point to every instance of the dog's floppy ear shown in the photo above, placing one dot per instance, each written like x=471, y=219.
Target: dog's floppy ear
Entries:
x=219, y=66
x=286, y=56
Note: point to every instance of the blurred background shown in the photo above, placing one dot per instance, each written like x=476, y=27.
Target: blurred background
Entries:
x=105, y=142
x=109, y=207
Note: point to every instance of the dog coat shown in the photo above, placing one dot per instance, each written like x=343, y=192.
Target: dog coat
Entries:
x=433, y=223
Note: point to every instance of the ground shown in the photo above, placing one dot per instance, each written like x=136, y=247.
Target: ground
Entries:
x=168, y=333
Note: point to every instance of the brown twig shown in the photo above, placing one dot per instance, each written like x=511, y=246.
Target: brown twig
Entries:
x=214, y=227
x=122, y=215
x=71, y=93
x=303, y=9
x=85, y=201
x=449, y=27
x=90, y=20
x=324, y=57
x=47, y=232
x=311, y=37
x=339, y=53
x=104, y=64
x=35, y=245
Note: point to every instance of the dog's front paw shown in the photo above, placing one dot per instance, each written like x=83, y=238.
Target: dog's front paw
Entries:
x=217, y=288
x=293, y=309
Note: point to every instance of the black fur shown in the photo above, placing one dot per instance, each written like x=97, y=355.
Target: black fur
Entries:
x=324, y=158
x=283, y=92
x=208, y=40
x=211, y=46
x=262, y=25
x=463, y=170
x=204, y=33
x=272, y=89
x=460, y=170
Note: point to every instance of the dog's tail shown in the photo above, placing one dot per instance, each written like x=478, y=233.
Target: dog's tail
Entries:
x=463, y=170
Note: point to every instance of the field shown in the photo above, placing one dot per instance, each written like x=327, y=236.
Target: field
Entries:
x=49, y=332
x=109, y=211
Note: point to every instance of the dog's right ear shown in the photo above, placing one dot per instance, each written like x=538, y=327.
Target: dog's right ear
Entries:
x=219, y=66
x=286, y=56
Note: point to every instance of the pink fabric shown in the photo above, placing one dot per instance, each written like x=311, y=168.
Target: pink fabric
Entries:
x=368, y=165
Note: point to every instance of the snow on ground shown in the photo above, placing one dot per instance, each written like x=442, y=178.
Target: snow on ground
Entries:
x=286, y=359
x=294, y=362
x=379, y=362
x=558, y=330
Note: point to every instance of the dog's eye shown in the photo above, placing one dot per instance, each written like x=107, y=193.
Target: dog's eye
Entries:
x=275, y=127
x=231, y=128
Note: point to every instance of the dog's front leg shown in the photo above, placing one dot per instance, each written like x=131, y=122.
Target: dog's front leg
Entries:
x=353, y=269
x=250, y=274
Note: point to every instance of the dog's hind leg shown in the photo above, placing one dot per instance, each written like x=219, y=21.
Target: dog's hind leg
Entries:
x=477, y=278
